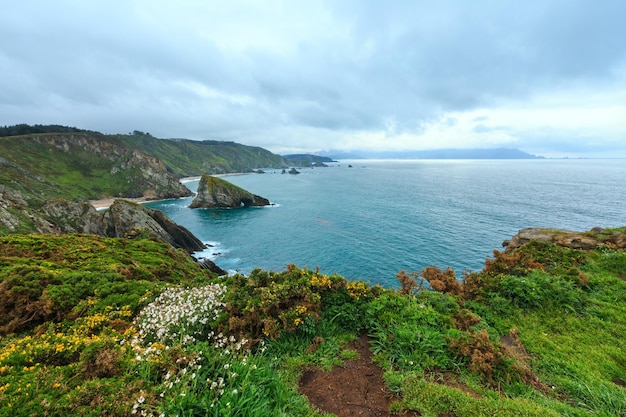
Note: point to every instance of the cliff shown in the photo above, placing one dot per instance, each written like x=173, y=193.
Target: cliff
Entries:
x=83, y=165
x=217, y=193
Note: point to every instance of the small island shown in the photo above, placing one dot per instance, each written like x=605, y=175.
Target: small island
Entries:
x=215, y=192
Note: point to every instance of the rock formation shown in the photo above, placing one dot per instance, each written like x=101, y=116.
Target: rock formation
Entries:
x=125, y=218
x=595, y=238
x=217, y=193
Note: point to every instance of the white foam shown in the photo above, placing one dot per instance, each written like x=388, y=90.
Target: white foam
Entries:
x=213, y=251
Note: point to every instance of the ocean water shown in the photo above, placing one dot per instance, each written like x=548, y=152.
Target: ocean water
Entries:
x=373, y=219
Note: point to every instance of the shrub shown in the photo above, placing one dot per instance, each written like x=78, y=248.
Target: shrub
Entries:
x=483, y=355
x=539, y=289
x=442, y=281
x=180, y=315
x=266, y=303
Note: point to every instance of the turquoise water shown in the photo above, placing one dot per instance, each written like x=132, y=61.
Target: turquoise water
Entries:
x=378, y=217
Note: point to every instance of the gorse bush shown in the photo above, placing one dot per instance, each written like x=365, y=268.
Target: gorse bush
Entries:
x=267, y=303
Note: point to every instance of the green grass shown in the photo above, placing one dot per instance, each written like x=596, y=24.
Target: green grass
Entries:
x=443, y=355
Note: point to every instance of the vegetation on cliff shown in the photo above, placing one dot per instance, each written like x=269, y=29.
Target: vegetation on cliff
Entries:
x=188, y=158
x=182, y=157
x=82, y=166
x=215, y=192
x=98, y=326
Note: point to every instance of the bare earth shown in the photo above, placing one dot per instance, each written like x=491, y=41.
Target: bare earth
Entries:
x=354, y=389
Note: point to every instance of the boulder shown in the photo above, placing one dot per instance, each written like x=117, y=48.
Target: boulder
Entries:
x=215, y=192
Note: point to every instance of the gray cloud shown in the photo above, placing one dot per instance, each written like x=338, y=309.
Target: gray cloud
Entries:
x=317, y=75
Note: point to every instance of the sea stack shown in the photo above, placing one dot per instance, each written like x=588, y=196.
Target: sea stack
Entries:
x=215, y=192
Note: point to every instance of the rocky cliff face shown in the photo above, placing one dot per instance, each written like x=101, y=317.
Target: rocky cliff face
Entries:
x=84, y=165
x=148, y=175
x=124, y=219
x=216, y=193
x=595, y=238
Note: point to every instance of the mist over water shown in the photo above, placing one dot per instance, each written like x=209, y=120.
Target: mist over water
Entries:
x=380, y=216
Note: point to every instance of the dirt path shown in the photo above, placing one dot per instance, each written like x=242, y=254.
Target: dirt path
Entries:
x=354, y=389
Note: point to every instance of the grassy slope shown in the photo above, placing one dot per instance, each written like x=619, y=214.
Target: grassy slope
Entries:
x=44, y=171
x=538, y=333
x=188, y=158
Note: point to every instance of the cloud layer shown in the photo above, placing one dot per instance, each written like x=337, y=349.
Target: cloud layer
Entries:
x=546, y=77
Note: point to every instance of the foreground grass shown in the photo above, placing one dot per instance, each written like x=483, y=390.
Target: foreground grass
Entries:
x=130, y=327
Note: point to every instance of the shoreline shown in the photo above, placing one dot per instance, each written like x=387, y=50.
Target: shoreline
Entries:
x=105, y=203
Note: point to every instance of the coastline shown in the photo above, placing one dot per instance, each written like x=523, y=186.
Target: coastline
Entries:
x=105, y=203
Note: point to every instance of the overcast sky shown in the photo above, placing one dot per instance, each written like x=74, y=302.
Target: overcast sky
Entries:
x=544, y=76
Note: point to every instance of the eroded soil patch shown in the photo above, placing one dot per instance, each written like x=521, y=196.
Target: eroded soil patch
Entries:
x=354, y=389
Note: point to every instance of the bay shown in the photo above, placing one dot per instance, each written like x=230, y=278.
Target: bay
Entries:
x=377, y=217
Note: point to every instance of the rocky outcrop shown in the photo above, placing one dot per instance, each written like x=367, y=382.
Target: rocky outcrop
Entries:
x=125, y=218
x=215, y=192
x=65, y=216
x=593, y=239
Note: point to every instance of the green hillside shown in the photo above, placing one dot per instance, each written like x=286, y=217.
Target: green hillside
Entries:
x=187, y=158
x=69, y=165
x=73, y=164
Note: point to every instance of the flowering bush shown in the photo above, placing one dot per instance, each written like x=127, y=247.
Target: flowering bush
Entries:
x=180, y=315
x=265, y=303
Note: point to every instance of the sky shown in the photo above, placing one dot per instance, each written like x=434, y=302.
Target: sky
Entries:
x=544, y=76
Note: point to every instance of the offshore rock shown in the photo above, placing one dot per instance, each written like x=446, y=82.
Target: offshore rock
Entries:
x=215, y=192
x=593, y=239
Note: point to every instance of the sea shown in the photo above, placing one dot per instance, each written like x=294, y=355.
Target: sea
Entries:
x=369, y=219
